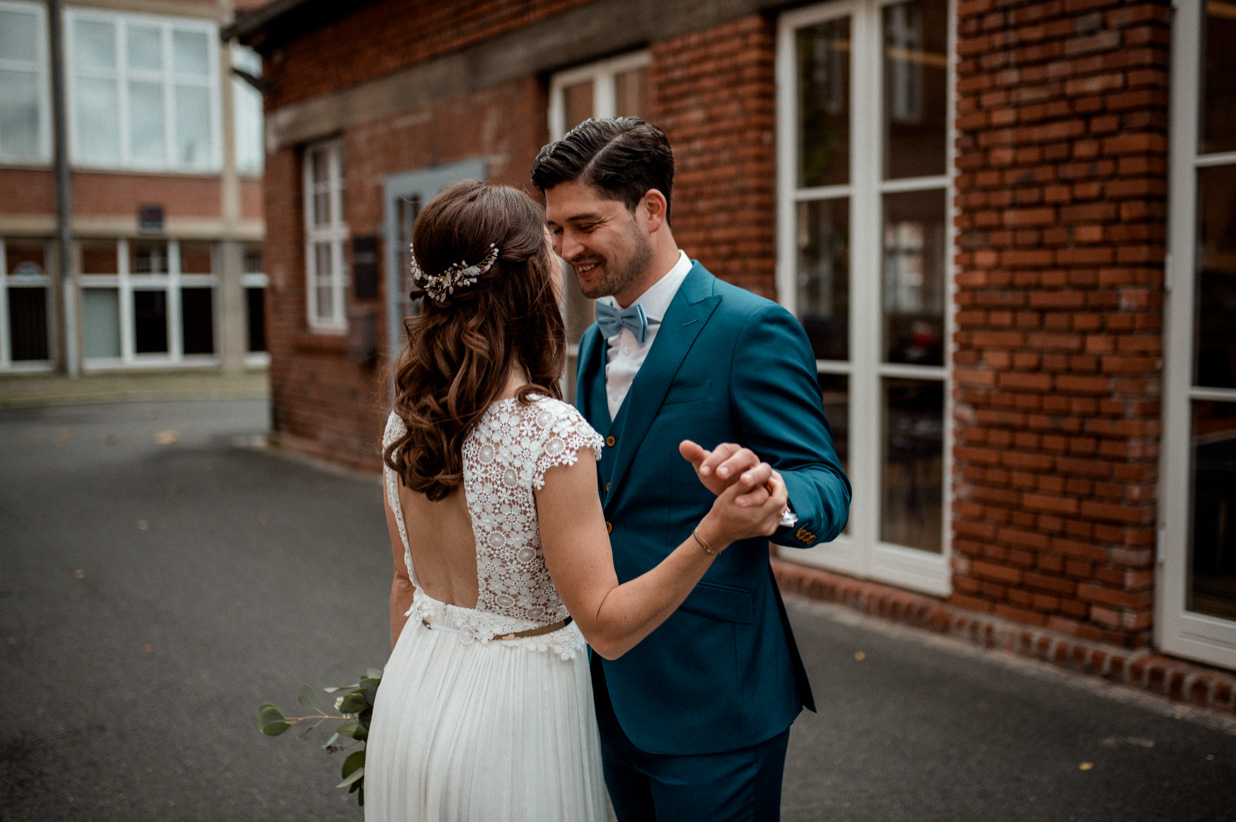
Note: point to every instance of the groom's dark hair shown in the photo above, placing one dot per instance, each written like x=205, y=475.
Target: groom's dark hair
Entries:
x=621, y=157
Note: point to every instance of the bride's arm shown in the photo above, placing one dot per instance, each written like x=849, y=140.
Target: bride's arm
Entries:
x=613, y=617
x=401, y=586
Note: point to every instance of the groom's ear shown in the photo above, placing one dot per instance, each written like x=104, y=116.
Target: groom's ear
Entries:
x=655, y=207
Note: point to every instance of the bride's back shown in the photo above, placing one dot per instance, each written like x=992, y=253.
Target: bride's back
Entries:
x=442, y=545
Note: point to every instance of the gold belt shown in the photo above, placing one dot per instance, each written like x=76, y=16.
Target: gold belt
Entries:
x=544, y=629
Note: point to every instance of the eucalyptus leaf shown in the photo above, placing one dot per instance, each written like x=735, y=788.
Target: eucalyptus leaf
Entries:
x=355, y=760
x=305, y=733
x=373, y=673
x=333, y=739
x=274, y=728
x=271, y=720
x=357, y=774
x=348, y=729
x=335, y=688
x=308, y=697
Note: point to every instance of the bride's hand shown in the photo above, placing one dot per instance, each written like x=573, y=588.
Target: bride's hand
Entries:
x=739, y=515
x=726, y=465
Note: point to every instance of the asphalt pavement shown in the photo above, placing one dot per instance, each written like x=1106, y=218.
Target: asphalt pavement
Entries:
x=162, y=573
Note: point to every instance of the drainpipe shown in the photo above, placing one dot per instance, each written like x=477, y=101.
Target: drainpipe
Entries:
x=63, y=192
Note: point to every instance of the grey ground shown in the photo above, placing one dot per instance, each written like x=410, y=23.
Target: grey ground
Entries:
x=161, y=575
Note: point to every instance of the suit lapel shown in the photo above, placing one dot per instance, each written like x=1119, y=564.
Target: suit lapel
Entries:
x=684, y=319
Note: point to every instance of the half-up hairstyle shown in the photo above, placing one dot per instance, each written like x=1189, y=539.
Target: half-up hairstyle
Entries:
x=461, y=349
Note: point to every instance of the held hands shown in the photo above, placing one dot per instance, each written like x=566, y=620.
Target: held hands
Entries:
x=750, y=495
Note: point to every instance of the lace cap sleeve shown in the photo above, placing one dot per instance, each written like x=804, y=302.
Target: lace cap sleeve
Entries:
x=565, y=432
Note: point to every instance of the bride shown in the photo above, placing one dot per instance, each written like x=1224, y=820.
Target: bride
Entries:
x=503, y=571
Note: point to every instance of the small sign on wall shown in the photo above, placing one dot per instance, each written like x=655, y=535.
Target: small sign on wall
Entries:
x=150, y=219
x=365, y=267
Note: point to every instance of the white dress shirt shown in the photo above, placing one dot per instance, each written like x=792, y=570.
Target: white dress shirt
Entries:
x=624, y=355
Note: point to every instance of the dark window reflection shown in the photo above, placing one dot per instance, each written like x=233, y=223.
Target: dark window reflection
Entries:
x=150, y=322
x=913, y=293
x=28, y=324
x=823, y=236
x=197, y=317
x=1213, y=586
x=912, y=511
x=1218, y=104
x=823, y=53
x=1216, y=278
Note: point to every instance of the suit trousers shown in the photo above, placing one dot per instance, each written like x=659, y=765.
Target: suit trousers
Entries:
x=731, y=786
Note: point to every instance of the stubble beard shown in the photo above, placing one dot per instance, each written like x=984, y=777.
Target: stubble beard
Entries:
x=617, y=280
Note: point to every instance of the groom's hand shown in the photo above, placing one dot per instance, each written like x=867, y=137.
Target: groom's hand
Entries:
x=726, y=465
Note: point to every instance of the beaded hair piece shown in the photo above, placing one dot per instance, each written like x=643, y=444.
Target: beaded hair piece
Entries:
x=456, y=275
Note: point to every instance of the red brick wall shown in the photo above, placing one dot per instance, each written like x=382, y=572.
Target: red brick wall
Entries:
x=714, y=94
x=323, y=401
x=27, y=191
x=385, y=37
x=104, y=194
x=1061, y=197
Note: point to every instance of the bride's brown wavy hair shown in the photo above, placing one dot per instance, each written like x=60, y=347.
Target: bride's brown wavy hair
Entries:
x=460, y=351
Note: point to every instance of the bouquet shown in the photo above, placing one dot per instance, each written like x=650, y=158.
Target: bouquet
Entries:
x=353, y=711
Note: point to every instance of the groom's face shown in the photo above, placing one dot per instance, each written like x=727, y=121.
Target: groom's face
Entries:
x=606, y=245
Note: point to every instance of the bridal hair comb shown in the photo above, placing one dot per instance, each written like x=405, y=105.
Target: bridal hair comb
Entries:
x=456, y=275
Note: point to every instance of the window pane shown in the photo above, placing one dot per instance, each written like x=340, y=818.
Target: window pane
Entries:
x=251, y=261
x=577, y=104
x=914, y=277
x=824, y=276
x=1215, y=365
x=250, y=149
x=835, y=390
x=19, y=114
x=99, y=257
x=147, y=257
x=101, y=323
x=912, y=513
x=195, y=258
x=19, y=36
x=25, y=258
x=28, y=324
x=197, y=320
x=97, y=121
x=150, y=322
x=255, y=303
x=193, y=143
x=631, y=92
x=823, y=55
x=94, y=45
x=321, y=208
x=1212, y=589
x=915, y=88
x=144, y=48
x=1218, y=97
x=190, y=53
x=147, y=136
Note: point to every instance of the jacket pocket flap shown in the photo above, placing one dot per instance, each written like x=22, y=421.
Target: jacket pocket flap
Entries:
x=687, y=392
x=724, y=602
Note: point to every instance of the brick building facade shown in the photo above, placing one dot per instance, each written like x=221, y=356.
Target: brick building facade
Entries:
x=131, y=221
x=969, y=206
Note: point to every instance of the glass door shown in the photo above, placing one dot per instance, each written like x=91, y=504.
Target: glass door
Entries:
x=1197, y=553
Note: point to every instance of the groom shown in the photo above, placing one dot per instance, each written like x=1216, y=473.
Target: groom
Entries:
x=695, y=720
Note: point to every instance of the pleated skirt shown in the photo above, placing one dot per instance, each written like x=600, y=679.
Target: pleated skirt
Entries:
x=476, y=732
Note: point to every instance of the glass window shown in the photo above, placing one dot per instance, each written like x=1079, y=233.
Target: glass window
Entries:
x=101, y=323
x=325, y=235
x=25, y=127
x=142, y=91
x=865, y=235
x=197, y=320
x=25, y=304
x=250, y=149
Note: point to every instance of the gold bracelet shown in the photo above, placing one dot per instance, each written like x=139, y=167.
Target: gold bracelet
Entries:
x=707, y=548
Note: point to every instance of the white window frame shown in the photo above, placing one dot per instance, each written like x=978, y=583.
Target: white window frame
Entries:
x=43, y=150
x=604, y=95
x=334, y=234
x=126, y=283
x=1178, y=631
x=7, y=283
x=859, y=552
x=167, y=78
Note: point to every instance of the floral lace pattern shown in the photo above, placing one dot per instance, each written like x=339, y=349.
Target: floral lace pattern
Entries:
x=504, y=460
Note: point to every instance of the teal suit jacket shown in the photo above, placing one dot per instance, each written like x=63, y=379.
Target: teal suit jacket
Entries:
x=723, y=672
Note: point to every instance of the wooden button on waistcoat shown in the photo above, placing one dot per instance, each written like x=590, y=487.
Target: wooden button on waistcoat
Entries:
x=609, y=527
x=610, y=441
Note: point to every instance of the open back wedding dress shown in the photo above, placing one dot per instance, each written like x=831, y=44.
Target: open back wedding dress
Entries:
x=467, y=725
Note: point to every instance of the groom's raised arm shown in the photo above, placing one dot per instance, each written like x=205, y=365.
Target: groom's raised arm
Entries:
x=777, y=403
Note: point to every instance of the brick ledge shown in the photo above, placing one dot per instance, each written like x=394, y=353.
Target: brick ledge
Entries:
x=1176, y=679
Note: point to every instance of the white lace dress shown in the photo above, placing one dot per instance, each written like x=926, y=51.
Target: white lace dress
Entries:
x=467, y=726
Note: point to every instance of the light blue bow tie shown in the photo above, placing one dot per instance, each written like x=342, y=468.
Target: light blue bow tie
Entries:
x=612, y=320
